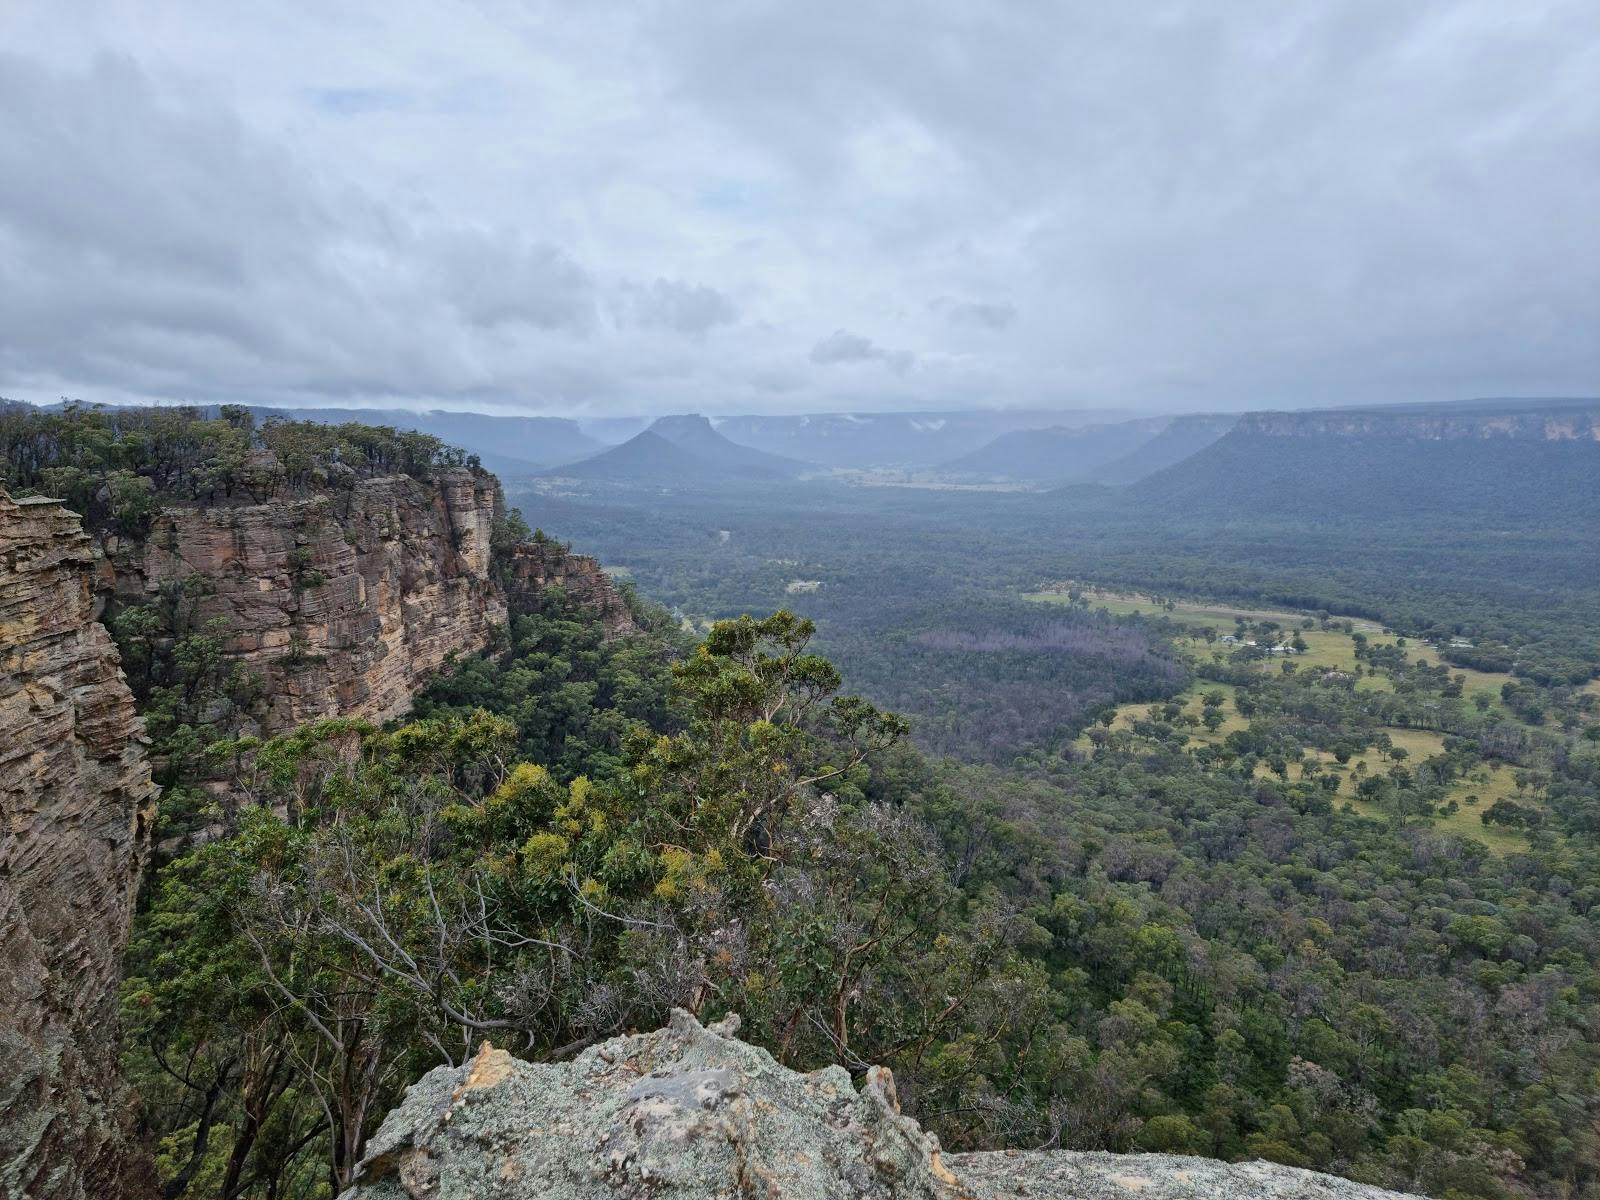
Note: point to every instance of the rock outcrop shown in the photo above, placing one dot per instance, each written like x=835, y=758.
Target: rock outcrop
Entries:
x=342, y=602
x=692, y=1113
x=76, y=804
x=537, y=565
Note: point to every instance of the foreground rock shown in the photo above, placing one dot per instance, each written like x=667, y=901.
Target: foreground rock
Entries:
x=76, y=804
x=692, y=1113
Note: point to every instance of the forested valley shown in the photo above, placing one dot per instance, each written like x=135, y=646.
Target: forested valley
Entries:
x=1317, y=886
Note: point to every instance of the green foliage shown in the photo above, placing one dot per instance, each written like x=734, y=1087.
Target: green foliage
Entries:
x=118, y=466
x=390, y=898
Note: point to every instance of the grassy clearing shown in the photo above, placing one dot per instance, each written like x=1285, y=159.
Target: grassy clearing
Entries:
x=1187, y=612
x=1327, y=650
x=1474, y=794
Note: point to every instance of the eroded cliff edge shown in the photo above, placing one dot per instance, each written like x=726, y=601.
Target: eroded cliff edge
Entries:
x=76, y=802
x=543, y=563
x=692, y=1113
x=343, y=601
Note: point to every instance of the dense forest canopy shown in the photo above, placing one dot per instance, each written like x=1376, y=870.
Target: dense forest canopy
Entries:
x=119, y=465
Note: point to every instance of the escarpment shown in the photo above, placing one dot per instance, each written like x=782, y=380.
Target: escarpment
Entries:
x=692, y=1113
x=542, y=563
x=77, y=802
x=1578, y=422
x=337, y=601
x=343, y=602
x=340, y=602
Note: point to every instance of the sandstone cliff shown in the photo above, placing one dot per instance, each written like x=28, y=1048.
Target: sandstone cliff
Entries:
x=693, y=1113
x=537, y=565
x=1565, y=423
x=76, y=802
x=343, y=602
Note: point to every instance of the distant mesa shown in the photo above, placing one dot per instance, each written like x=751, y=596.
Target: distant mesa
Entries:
x=1466, y=466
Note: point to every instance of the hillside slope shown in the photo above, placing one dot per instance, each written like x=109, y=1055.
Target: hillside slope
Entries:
x=1477, y=470
x=875, y=439
x=650, y=458
x=1183, y=437
x=698, y=436
x=1058, y=454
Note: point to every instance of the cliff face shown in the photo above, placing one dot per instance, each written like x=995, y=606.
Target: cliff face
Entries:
x=76, y=802
x=342, y=603
x=1553, y=425
x=538, y=565
x=691, y=1113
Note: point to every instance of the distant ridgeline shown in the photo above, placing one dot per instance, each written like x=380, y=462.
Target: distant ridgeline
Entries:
x=1113, y=454
x=1445, y=467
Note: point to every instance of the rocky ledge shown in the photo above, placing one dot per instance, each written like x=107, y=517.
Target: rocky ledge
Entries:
x=537, y=565
x=692, y=1113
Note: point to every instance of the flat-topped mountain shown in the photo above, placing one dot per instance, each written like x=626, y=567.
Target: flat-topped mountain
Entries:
x=1560, y=421
x=1483, y=468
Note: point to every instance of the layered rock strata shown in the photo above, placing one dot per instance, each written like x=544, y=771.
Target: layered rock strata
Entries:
x=341, y=603
x=76, y=806
x=537, y=565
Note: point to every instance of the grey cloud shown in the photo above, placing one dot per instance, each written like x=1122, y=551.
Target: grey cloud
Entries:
x=671, y=304
x=979, y=314
x=842, y=346
x=496, y=279
x=1196, y=204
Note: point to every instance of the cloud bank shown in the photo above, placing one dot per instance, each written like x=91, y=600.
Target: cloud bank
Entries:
x=746, y=207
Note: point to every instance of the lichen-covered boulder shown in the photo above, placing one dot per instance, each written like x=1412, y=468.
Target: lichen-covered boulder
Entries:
x=686, y=1111
x=692, y=1113
x=1060, y=1175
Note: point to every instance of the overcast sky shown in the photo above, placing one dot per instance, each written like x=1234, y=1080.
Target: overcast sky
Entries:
x=598, y=207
